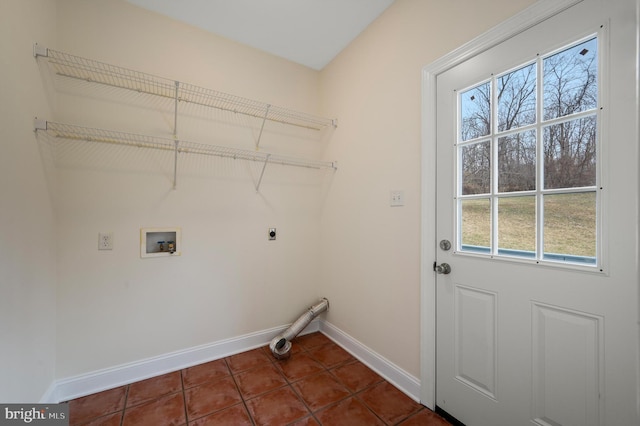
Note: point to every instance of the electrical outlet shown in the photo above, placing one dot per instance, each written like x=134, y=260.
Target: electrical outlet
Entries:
x=105, y=241
x=397, y=198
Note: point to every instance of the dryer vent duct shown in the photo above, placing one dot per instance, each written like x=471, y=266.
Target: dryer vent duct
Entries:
x=281, y=345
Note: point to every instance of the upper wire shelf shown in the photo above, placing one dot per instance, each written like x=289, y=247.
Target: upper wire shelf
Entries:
x=78, y=67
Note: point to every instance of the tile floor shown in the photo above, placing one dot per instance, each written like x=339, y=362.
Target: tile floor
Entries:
x=320, y=384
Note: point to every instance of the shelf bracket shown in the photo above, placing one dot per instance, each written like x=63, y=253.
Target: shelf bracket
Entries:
x=40, y=50
x=175, y=136
x=175, y=112
x=39, y=124
x=264, y=166
x=264, y=120
x=175, y=163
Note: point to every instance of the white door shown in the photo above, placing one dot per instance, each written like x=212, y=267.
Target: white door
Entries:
x=537, y=192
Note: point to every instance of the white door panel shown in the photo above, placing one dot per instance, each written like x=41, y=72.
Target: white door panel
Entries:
x=521, y=343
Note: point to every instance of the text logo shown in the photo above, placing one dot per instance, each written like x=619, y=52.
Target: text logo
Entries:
x=36, y=414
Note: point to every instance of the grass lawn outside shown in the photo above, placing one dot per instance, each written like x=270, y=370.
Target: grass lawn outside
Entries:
x=569, y=223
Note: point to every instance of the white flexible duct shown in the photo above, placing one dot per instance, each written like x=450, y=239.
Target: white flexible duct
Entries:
x=281, y=345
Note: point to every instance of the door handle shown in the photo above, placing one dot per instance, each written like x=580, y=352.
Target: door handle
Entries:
x=443, y=268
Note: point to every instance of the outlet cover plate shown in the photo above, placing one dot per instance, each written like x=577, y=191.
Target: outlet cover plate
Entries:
x=396, y=198
x=105, y=241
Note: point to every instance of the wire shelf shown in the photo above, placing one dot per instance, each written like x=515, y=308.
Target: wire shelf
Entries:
x=72, y=66
x=79, y=133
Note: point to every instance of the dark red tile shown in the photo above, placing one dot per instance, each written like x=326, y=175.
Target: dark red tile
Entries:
x=348, y=412
x=210, y=397
x=330, y=355
x=155, y=387
x=425, y=417
x=279, y=407
x=83, y=409
x=167, y=410
x=259, y=380
x=389, y=403
x=246, y=360
x=298, y=366
x=199, y=374
x=307, y=421
x=325, y=380
x=320, y=390
x=311, y=340
x=233, y=416
x=267, y=352
x=114, y=419
x=356, y=376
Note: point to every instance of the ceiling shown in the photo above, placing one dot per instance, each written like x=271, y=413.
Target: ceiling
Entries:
x=308, y=32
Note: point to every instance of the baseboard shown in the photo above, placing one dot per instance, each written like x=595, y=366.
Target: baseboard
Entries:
x=49, y=396
x=109, y=378
x=395, y=375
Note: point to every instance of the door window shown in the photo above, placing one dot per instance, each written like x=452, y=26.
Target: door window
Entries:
x=527, y=160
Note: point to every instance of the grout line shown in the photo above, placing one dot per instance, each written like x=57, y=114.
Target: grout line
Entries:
x=356, y=396
x=301, y=399
x=244, y=402
x=184, y=399
x=124, y=408
x=326, y=369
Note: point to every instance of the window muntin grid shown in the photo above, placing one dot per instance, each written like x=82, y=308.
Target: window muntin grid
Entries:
x=527, y=151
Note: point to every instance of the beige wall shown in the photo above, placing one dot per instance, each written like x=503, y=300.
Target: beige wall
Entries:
x=27, y=231
x=115, y=307
x=371, y=251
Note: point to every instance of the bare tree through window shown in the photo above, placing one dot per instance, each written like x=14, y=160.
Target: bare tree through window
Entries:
x=523, y=136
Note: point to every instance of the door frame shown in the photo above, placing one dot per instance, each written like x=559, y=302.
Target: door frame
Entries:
x=533, y=15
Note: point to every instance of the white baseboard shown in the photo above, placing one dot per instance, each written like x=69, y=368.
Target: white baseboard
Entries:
x=49, y=396
x=109, y=378
x=395, y=375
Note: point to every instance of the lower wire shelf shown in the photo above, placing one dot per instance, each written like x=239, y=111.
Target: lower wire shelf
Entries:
x=94, y=135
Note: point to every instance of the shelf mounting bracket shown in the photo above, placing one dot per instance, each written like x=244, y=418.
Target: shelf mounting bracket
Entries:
x=175, y=164
x=264, y=166
x=40, y=50
x=175, y=111
x=39, y=124
x=264, y=120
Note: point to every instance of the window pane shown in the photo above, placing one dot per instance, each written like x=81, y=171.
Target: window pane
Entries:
x=570, y=154
x=517, y=226
x=517, y=98
x=476, y=225
x=527, y=150
x=517, y=162
x=570, y=80
x=476, y=168
x=570, y=227
x=475, y=112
